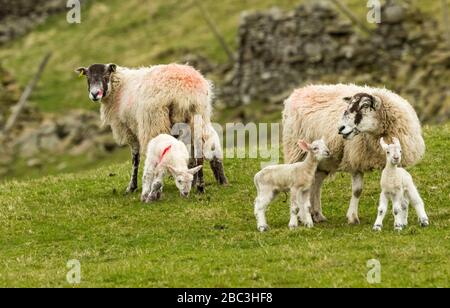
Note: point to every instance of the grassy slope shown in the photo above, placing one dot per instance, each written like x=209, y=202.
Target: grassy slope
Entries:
x=211, y=240
x=131, y=33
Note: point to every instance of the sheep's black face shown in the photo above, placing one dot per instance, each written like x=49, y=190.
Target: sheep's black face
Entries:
x=99, y=79
x=360, y=116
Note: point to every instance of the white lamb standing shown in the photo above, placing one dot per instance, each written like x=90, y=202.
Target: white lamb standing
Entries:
x=397, y=185
x=165, y=153
x=296, y=178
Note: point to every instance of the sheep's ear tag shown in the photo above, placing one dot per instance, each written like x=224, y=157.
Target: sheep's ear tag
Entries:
x=81, y=74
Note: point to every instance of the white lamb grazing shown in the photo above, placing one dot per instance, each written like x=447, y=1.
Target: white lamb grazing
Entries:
x=165, y=153
x=296, y=178
x=397, y=185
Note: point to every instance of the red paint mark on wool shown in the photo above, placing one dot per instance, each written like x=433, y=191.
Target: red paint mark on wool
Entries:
x=185, y=76
x=309, y=98
x=164, y=153
x=297, y=97
x=130, y=101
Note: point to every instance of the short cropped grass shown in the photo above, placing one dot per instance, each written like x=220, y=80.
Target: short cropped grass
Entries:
x=211, y=240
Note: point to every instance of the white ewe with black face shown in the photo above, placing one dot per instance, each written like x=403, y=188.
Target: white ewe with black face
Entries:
x=166, y=154
x=352, y=119
x=140, y=104
x=296, y=178
x=397, y=185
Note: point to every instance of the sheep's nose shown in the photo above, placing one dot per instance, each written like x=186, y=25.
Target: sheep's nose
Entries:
x=185, y=194
x=341, y=129
x=96, y=95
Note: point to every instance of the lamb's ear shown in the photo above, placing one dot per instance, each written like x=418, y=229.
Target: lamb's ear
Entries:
x=383, y=144
x=376, y=102
x=195, y=170
x=112, y=68
x=81, y=71
x=304, y=145
x=348, y=99
x=172, y=169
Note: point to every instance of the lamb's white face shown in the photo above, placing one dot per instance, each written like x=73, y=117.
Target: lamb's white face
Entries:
x=184, y=179
x=318, y=148
x=393, y=151
x=360, y=116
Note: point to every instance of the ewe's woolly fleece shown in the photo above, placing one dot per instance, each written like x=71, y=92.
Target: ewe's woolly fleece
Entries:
x=316, y=111
x=146, y=102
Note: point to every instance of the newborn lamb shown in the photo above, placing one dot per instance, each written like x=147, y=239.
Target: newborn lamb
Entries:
x=165, y=153
x=397, y=185
x=296, y=178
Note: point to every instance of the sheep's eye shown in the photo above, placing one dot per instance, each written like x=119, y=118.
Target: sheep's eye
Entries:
x=315, y=149
x=388, y=152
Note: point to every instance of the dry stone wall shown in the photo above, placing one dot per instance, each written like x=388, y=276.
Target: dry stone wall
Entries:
x=279, y=51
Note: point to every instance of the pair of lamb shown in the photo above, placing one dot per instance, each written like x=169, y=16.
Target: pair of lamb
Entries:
x=396, y=183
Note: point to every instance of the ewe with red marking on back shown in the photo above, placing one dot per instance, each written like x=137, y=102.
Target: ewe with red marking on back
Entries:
x=139, y=104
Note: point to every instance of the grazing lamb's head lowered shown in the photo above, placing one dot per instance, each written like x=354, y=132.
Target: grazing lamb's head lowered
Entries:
x=393, y=151
x=184, y=179
x=318, y=148
x=360, y=116
x=99, y=79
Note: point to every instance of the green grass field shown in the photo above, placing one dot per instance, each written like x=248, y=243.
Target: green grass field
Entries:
x=211, y=240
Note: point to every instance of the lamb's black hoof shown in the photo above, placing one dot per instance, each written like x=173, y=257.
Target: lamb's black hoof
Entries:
x=130, y=190
x=425, y=224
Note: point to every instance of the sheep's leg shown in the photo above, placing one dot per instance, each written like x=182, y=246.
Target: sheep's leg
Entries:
x=213, y=165
x=198, y=181
x=265, y=196
x=418, y=204
x=135, y=153
x=218, y=170
x=295, y=209
x=157, y=187
x=316, y=207
x=200, y=178
x=147, y=181
x=197, y=151
x=305, y=208
x=357, y=187
x=405, y=210
x=397, y=209
x=382, y=210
